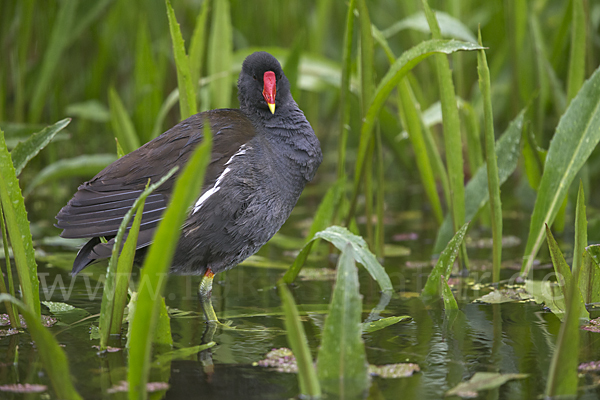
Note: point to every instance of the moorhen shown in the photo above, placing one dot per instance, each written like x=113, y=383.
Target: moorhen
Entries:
x=263, y=155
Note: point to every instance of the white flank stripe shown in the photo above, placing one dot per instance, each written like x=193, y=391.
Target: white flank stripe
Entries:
x=217, y=184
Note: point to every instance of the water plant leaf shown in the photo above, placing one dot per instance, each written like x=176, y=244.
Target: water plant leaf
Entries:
x=447, y=296
x=449, y=26
x=400, y=370
x=220, y=49
x=370, y=327
x=341, y=362
x=17, y=226
x=339, y=237
x=406, y=62
x=491, y=162
x=158, y=260
x=589, y=278
x=548, y=293
x=198, y=44
x=563, y=272
x=53, y=357
x=307, y=376
x=476, y=193
x=25, y=151
x=87, y=165
x=580, y=235
x=577, y=134
x=563, y=371
x=482, y=381
x=443, y=266
x=121, y=122
x=114, y=295
x=187, y=91
x=576, y=71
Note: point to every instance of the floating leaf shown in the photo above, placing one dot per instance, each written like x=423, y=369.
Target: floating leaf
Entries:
x=482, y=381
x=401, y=370
x=370, y=327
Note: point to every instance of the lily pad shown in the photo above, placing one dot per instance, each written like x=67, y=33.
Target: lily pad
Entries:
x=401, y=370
x=505, y=296
x=482, y=381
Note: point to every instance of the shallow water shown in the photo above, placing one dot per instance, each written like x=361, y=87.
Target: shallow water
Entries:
x=507, y=338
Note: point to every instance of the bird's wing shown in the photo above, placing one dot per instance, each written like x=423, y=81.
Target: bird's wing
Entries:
x=99, y=205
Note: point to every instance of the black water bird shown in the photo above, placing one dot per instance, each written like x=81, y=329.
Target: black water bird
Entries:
x=263, y=155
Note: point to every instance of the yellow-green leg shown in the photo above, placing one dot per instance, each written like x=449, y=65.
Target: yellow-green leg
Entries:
x=204, y=292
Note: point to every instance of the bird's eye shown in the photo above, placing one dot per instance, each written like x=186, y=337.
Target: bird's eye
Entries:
x=254, y=76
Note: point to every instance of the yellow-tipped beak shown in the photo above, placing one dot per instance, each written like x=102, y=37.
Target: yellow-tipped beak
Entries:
x=271, y=107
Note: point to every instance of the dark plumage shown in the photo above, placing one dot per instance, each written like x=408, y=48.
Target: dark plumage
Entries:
x=261, y=162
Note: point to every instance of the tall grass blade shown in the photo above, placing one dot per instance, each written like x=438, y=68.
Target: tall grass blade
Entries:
x=158, y=260
x=17, y=225
x=148, y=77
x=25, y=151
x=58, y=41
x=119, y=267
x=589, y=278
x=307, y=376
x=443, y=267
x=11, y=309
x=328, y=208
x=476, y=191
x=406, y=62
x=564, y=274
x=411, y=120
x=187, y=88
x=580, y=231
x=341, y=362
x=563, y=374
x=451, y=123
x=345, y=89
x=53, y=357
x=450, y=303
x=576, y=72
x=198, y=45
x=121, y=122
x=491, y=162
x=577, y=134
x=220, y=55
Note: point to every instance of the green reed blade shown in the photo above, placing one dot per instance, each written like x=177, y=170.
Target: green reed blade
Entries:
x=577, y=134
x=476, y=192
x=11, y=309
x=17, y=225
x=491, y=162
x=198, y=46
x=307, y=376
x=589, y=278
x=451, y=123
x=341, y=362
x=121, y=122
x=576, y=73
x=156, y=265
x=187, y=88
x=220, y=50
x=406, y=62
x=345, y=89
